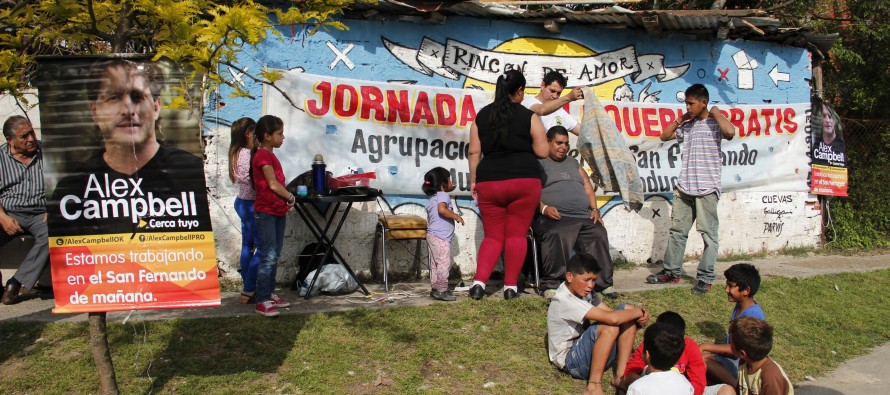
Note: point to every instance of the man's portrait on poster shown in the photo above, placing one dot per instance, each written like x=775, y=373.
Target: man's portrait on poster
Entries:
x=132, y=181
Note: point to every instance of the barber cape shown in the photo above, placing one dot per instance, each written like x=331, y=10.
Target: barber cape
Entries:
x=602, y=146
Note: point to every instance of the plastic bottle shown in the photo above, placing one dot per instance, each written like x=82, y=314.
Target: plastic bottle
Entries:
x=319, y=175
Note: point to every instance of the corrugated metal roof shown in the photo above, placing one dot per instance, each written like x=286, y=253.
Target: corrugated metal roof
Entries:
x=705, y=24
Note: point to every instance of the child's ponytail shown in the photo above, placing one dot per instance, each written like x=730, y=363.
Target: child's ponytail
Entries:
x=434, y=179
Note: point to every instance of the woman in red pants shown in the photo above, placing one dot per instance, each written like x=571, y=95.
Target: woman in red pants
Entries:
x=505, y=141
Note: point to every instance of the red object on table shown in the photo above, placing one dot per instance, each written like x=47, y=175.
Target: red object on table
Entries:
x=351, y=180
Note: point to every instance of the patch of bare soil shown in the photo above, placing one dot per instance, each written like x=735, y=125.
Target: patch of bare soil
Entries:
x=839, y=263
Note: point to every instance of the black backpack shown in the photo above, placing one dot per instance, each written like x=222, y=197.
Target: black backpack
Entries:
x=307, y=262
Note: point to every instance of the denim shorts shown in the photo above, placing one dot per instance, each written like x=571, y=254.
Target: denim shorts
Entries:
x=730, y=364
x=579, y=356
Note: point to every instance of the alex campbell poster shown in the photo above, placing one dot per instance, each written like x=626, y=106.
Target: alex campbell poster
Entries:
x=829, y=151
x=127, y=208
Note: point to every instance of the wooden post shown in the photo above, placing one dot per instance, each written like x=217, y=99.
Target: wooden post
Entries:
x=818, y=91
x=101, y=354
x=817, y=74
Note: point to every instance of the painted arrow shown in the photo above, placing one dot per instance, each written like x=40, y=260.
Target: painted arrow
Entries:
x=777, y=75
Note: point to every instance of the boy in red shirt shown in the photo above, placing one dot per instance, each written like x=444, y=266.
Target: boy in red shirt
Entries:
x=691, y=365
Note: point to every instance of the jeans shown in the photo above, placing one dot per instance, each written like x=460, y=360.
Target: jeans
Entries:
x=37, y=259
x=581, y=354
x=271, y=230
x=703, y=211
x=730, y=364
x=250, y=242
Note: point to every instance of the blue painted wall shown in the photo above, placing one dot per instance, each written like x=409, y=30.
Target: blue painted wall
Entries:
x=708, y=60
x=781, y=76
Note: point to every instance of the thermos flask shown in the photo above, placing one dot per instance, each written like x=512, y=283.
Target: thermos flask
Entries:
x=319, y=176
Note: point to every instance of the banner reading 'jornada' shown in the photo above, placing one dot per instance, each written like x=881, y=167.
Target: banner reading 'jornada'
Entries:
x=400, y=131
x=128, y=218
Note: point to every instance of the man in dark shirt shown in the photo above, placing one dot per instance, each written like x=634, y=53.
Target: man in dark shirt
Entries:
x=22, y=202
x=133, y=184
x=569, y=218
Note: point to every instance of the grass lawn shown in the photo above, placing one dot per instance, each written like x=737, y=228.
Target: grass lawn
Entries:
x=490, y=346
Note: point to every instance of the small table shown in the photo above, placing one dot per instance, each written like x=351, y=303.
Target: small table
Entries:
x=302, y=207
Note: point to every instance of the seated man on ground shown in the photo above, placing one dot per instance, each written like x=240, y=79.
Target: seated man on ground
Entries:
x=584, y=336
x=569, y=218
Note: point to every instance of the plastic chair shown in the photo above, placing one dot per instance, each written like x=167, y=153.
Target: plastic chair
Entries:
x=397, y=227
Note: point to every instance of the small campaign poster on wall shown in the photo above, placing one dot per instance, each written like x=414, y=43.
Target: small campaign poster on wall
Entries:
x=828, y=151
x=127, y=212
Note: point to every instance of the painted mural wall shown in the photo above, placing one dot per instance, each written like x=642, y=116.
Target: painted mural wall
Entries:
x=397, y=98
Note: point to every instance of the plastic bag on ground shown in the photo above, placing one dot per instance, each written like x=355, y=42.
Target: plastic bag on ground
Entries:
x=333, y=280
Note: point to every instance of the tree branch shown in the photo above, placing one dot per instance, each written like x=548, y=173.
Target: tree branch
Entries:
x=18, y=103
x=825, y=18
x=781, y=5
x=94, y=29
x=232, y=84
x=219, y=47
x=261, y=81
x=123, y=27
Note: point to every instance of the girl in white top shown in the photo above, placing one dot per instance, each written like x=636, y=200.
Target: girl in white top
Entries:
x=239, y=167
x=441, y=218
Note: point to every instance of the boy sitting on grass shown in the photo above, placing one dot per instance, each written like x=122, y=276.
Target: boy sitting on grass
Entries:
x=752, y=340
x=690, y=364
x=663, y=347
x=583, y=334
x=742, y=282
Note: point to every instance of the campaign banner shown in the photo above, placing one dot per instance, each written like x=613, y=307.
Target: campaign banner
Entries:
x=828, y=151
x=401, y=131
x=127, y=212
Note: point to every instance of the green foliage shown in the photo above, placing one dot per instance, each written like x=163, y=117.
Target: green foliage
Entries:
x=857, y=83
x=793, y=10
x=856, y=79
x=203, y=34
x=862, y=220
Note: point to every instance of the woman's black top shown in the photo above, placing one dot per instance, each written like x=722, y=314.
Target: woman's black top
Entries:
x=511, y=158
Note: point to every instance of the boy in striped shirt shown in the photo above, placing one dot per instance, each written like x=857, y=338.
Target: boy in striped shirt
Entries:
x=699, y=132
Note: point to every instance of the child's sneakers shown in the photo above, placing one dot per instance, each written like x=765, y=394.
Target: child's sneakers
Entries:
x=701, y=288
x=267, y=309
x=278, y=301
x=445, y=296
x=663, y=277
